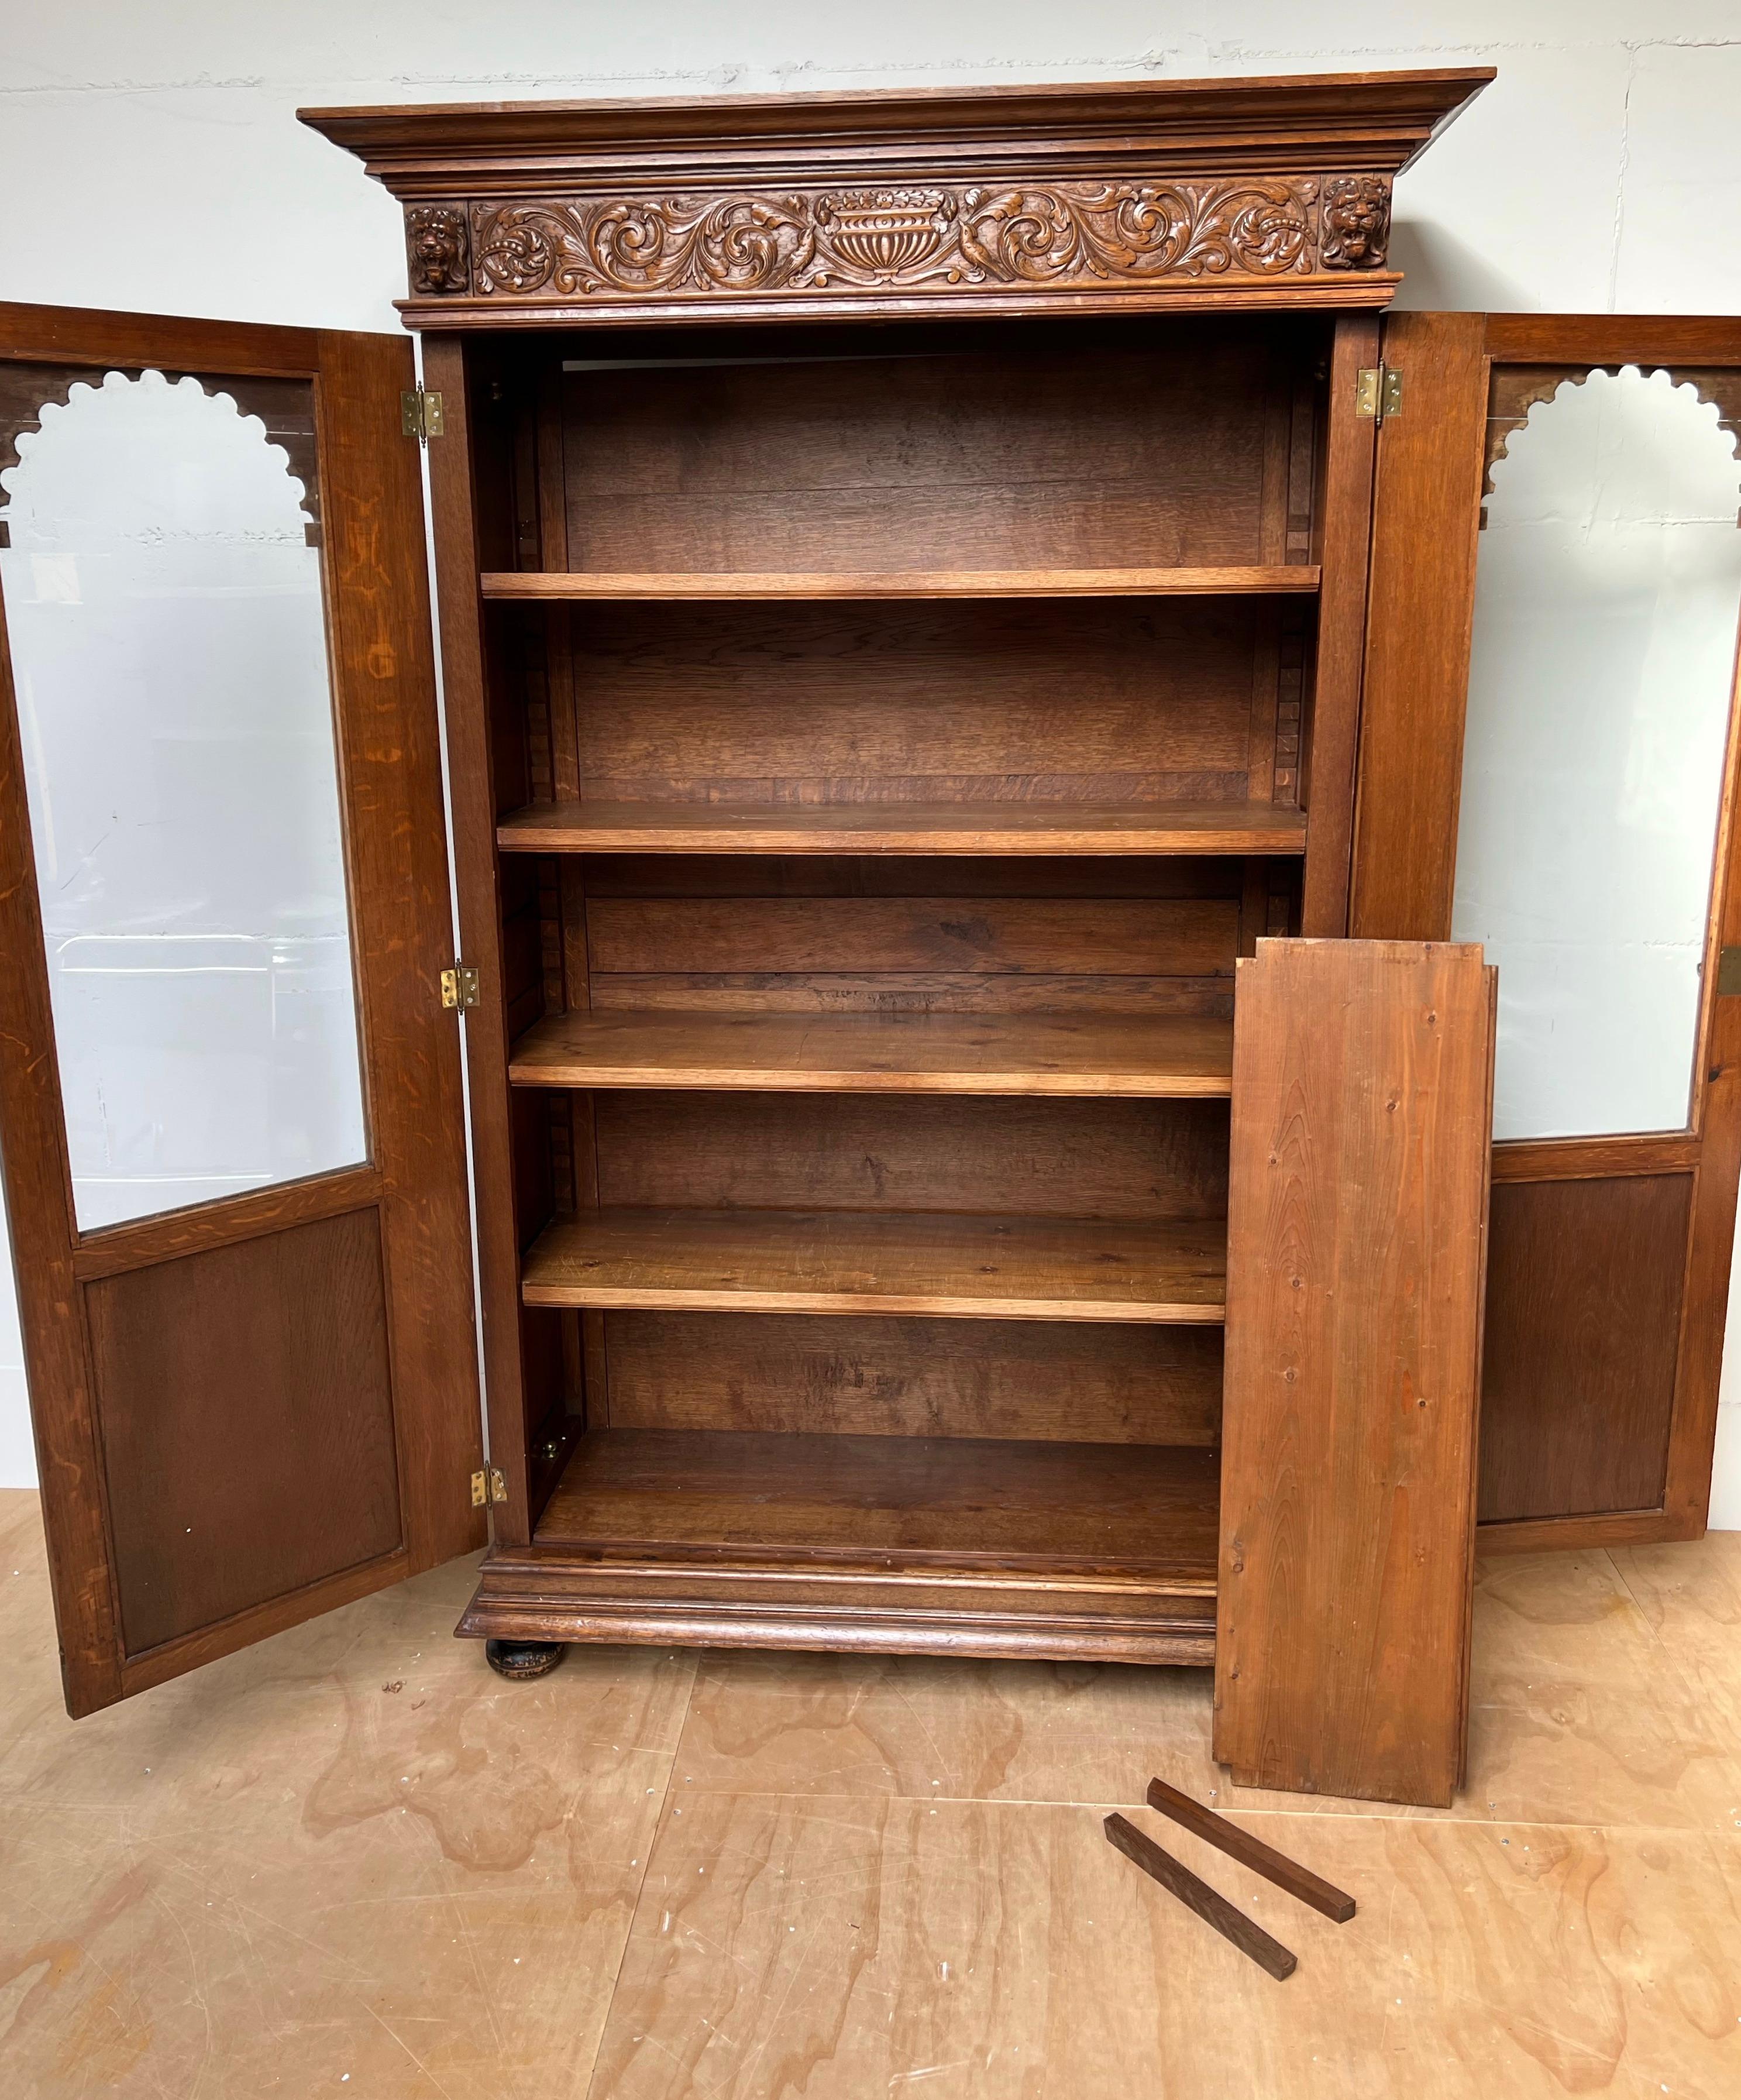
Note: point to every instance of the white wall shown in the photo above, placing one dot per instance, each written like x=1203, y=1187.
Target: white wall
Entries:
x=149, y=159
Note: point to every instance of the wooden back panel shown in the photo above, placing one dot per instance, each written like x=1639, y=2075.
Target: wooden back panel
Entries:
x=1144, y=1161
x=1098, y=699
x=1356, y=1246
x=1152, y=445
x=852, y=934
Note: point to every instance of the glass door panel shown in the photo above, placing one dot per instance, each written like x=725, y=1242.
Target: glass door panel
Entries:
x=1602, y=673
x=162, y=586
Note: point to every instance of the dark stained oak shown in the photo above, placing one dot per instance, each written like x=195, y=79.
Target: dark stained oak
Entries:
x=1100, y=1156
x=1427, y=510
x=1196, y=1894
x=977, y=828
x=964, y=1501
x=878, y=731
x=217, y=1363
x=1067, y=1381
x=845, y=1261
x=679, y=583
x=139, y=1242
x=1585, y=1282
x=1239, y=1844
x=1603, y=1371
x=1037, y=1054
x=1330, y=739
x=1356, y=1238
x=1099, y=702
x=947, y=1545
x=247, y=1407
x=1008, y=201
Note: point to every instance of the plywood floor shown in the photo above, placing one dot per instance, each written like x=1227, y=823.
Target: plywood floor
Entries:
x=354, y=1863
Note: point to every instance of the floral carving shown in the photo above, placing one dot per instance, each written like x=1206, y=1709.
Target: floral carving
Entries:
x=1356, y=222
x=435, y=242
x=814, y=241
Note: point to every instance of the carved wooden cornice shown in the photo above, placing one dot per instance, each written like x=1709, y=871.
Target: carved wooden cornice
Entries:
x=1137, y=195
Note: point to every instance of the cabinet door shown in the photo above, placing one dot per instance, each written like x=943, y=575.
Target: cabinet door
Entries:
x=1548, y=765
x=230, y=1100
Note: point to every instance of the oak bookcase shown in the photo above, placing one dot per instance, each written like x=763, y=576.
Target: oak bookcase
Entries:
x=930, y=585
x=902, y=564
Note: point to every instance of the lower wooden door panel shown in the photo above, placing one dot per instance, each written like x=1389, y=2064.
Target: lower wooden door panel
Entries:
x=244, y=1405
x=1585, y=1280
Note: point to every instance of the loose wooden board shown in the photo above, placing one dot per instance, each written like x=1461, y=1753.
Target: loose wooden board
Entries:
x=1357, y=1231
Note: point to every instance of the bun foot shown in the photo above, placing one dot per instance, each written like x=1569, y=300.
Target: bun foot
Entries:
x=522, y=1659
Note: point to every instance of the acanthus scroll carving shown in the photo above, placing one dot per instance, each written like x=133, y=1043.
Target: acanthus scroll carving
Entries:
x=436, y=245
x=931, y=237
x=1355, y=219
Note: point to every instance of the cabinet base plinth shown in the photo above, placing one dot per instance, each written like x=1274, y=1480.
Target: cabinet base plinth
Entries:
x=539, y=1594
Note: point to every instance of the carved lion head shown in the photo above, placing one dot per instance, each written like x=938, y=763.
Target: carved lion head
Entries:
x=1355, y=222
x=435, y=245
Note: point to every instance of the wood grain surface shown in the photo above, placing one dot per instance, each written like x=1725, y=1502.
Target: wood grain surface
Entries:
x=1071, y=1381
x=1586, y=1280
x=1426, y=512
x=1196, y=1894
x=896, y=828
x=845, y=1261
x=1357, y=1219
x=674, y=584
x=1239, y=1843
x=248, y=1419
x=965, y=1501
x=1037, y=1054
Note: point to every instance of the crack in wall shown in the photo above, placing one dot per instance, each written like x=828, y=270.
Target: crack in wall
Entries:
x=728, y=73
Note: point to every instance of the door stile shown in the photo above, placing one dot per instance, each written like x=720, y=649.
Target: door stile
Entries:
x=1343, y=533
x=389, y=758
x=1426, y=511
x=471, y=777
x=38, y=1194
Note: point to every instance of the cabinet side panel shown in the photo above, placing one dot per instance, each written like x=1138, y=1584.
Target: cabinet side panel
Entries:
x=1357, y=1211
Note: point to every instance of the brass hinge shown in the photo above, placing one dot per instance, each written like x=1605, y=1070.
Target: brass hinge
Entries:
x=1378, y=391
x=488, y=1486
x=421, y=416
x=1728, y=972
x=459, y=987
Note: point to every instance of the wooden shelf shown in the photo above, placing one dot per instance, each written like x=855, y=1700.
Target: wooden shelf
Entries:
x=901, y=1262
x=1044, y=829
x=743, y=584
x=1155, y=1056
x=964, y=1500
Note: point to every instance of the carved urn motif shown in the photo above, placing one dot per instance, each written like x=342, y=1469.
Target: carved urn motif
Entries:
x=884, y=231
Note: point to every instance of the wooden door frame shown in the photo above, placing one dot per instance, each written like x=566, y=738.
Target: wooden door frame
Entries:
x=1433, y=458
x=380, y=651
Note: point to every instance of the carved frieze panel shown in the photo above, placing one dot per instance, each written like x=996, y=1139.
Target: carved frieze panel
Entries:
x=1063, y=236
